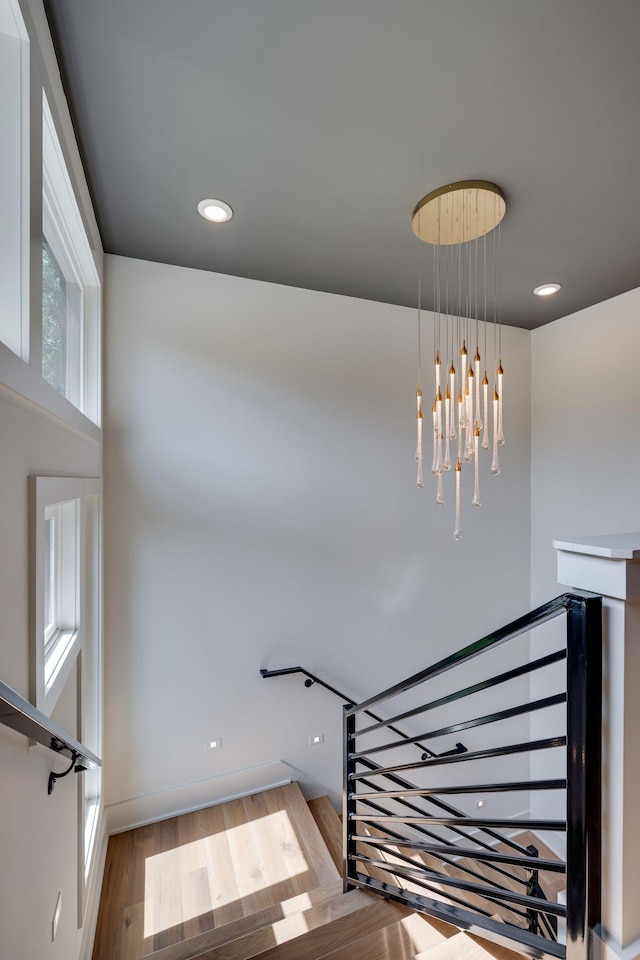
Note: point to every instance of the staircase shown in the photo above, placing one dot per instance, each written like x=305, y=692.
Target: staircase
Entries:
x=257, y=877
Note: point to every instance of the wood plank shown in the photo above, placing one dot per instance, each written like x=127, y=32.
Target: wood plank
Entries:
x=437, y=892
x=309, y=837
x=286, y=871
x=197, y=899
x=109, y=927
x=341, y=921
x=330, y=827
x=464, y=946
x=179, y=878
x=195, y=946
x=226, y=904
x=163, y=888
x=399, y=940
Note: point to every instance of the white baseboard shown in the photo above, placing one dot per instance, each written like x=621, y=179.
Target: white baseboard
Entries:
x=613, y=950
x=94, y=891
x=174, y=801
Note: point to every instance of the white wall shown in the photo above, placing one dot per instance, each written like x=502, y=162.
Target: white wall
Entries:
x=585, y=430
x=43, y=435
x=261, y=510
x=585, y=455
x=38, y=833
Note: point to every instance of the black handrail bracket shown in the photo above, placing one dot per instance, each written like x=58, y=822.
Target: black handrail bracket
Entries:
x=21, y=716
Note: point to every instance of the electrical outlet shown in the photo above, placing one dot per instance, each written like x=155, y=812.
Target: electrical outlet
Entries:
x=56, y=917
x=316, y=739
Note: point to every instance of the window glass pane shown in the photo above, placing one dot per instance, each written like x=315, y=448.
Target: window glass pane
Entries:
x=54, y=321
x=49, y=578
x=61, y=572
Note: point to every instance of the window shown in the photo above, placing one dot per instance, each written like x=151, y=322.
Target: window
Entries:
x=60, y=582
x=60, y=572
x=70, y=285
x=14, y=110
x=66, y=598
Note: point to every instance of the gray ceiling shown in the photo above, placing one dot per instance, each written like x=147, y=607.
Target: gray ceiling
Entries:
x=323, y=122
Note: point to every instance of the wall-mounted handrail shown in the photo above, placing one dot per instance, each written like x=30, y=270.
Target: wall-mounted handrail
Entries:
x=312, y=679
x=22, y=716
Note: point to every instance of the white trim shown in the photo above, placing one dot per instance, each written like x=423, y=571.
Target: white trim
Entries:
x=44, y=491
x=90, y=699
x=11, y=21
x=613, y=950
x=19, y=378
x=64, y=229
x=186, y=797
x=93, y=891
x=16, y=219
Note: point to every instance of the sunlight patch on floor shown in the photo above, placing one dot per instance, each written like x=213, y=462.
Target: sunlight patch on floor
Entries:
x=289, y=928
x=190, y=880
x=296, y=904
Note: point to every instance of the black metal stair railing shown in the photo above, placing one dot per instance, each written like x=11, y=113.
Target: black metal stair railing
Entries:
x=410, y=833
x=503, y=878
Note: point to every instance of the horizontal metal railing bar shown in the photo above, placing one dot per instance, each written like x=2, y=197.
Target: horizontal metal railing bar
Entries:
x=374, y=769
x=495, y=824
x=466, y=919
x=510, y=896
x=548, y=744
x=22, y=716
x=469, y=788
x=400, y=840
x=418, y=881
x=508, y=714
x=529, y=863
x=474, y=688
x=285, y=671
x=444, y=842
x=394, y=852
x=543, y=614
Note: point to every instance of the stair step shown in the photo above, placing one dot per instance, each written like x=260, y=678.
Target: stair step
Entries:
x=195, y=946
x=465, y=946
x=400, y=940
x=174, y=880
x=330, y=826
x=437, y=892
x=315, y=932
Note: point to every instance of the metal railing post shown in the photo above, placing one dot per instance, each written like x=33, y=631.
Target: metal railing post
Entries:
x=584, y=749
x=532, y=891
x=348, y=800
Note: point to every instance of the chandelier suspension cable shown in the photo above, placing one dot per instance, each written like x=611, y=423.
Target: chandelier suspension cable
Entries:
x=419, y=414
x=485, y=379
x=453, y=219
x=500, y=372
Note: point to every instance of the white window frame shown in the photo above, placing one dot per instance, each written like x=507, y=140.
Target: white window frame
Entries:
x=64, y=229
x=46, y=493
x=62, y=583
x=14, y=171
x=90, y=707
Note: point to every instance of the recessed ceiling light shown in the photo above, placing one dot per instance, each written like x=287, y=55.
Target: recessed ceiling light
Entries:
x=547, y=289
x=215, y=210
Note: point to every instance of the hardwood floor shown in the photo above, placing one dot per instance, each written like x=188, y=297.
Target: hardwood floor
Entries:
x=258, y=878
x=172, y=880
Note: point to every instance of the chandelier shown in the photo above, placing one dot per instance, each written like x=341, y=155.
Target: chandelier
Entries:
x=467, y=407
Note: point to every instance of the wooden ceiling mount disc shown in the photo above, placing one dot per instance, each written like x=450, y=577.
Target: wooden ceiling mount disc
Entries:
x=459, y=212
